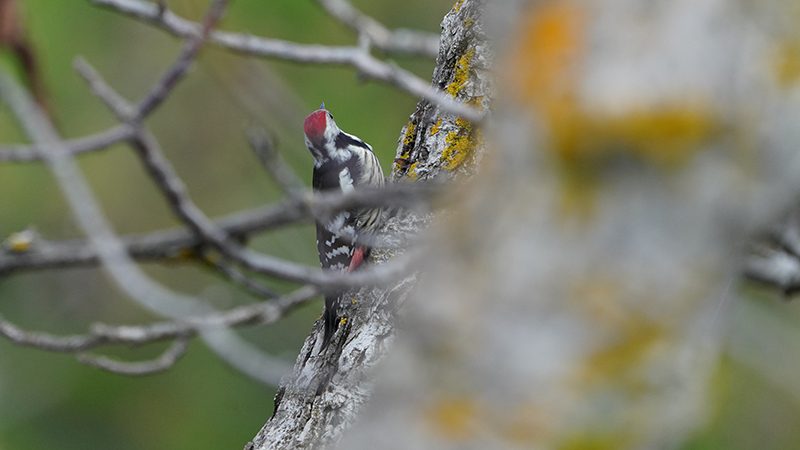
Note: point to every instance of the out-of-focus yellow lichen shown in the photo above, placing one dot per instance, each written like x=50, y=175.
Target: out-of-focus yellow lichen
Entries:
x=436, y=126
x=468, y=23
x=595, y=441
x=631, y=337
x=543, y=66
x=585, y=146
x=462, y=73
x=212, y=258
x=544, y=71
x=19, y=246
x=623, y=362
x=787, y=64
x=668, y=137
x=21, y=242
x=458, y=5
x=353, y=301
x=460, y=144
x=453, y=418
x=523, y=424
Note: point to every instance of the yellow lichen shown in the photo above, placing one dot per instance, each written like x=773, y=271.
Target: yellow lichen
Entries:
x=544, y=71
x=544, y=65
x=468, y=23
x=20, y=242
x=343, y=320
x=458, y=5
x=596, y=441
x=668, y=137
x=476, y=102
x=353, y=301
x=19, y=246
x=621, y=363
x=462, y=73
x=412, y=171
x=460, y=144
x=212, y=258
x=629, y=337
x=453, y=418
x=787, y=64
x=408, y=138
x=435, y=127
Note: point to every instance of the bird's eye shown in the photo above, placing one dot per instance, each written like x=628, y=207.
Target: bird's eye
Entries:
x=330, y=115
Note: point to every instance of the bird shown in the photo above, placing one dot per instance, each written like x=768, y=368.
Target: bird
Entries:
x=342, y=162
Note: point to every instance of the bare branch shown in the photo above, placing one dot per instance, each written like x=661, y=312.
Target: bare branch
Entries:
x=160, y=364
x=259, y=289
x=398, y=41
x=166, y=178
x=87, y=212
x=271, y=159
x=118, y=105
x=100, y=335
x=175, y=191
x=158, y=245
x=178, y=69
x=65, y=344
x=358, y=58
x=31, y=153
x=178, y=244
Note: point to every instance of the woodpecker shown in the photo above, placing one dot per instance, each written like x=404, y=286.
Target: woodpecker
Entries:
x=341, y=162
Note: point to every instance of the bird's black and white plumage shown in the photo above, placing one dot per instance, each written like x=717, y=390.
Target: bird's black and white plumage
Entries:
x=341, y=162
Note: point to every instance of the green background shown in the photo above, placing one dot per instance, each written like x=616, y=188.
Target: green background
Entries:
x=51, y=401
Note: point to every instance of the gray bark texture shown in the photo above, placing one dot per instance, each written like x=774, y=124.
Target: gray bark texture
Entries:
x=327, y=389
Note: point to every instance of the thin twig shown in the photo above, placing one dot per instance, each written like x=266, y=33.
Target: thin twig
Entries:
x=164, y=245
x=228, y=270
x=168, y=179
x=24, y=153
x=263, y=313
x=160, y=364
x=161, y=171
x=181, y=65
x=284, y=176
x=397, y=41
x=367, y=65
x=178, y=244
x=87, y=212
x=115, y=102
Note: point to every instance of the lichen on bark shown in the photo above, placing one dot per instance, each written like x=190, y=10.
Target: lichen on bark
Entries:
x=323, y=396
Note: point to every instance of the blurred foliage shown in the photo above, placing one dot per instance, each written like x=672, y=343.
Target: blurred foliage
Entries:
x=50, y=400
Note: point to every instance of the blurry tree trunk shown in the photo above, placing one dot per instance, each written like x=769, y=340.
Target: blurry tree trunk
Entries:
x=573, y=295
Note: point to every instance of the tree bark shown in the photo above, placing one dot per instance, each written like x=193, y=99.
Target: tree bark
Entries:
x=327, y=389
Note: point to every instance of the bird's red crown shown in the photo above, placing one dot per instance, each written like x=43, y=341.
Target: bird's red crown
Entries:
x=315, y=123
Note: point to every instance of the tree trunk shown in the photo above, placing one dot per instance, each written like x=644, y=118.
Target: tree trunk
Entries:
x=327, y=389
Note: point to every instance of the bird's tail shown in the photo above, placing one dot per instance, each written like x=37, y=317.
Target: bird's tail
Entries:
x=330, y=317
